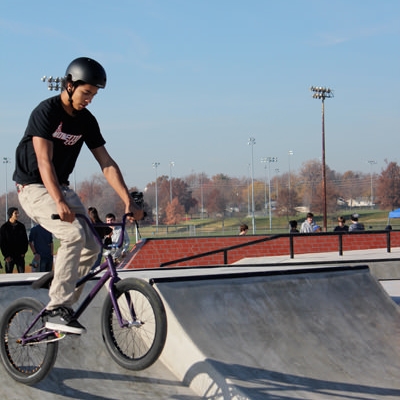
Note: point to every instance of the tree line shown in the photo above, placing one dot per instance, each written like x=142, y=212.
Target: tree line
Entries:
x=200, y=196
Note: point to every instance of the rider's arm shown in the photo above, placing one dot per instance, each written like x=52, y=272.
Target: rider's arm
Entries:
x=44, y=154
x=114, y=177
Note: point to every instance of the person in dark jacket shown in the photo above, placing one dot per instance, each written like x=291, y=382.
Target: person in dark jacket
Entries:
x=13, y=242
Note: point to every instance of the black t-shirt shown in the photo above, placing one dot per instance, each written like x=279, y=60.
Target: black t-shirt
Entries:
x=50, y=121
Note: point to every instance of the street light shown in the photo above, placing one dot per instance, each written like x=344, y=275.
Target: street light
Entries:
x=269, y=160
x=252, y=142
x=155, y=166
x=171, y=164
x=277, y=182
x=6, y=161
x=264, y=160
x=323, y=93
x=248, y=188
x=290, y=198
x=371, y=163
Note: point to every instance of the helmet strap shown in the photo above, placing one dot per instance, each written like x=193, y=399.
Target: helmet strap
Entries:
x=70, y=94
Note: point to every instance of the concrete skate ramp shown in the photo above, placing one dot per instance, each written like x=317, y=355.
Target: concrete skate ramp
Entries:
x=322, y=334
x=83, y=369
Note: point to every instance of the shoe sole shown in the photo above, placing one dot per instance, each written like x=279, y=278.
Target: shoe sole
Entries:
x=64, y=328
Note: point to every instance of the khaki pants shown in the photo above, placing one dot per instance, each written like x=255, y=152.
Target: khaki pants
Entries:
x=78, y=248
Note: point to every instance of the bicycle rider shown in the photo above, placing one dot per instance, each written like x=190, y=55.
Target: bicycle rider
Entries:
x=45, y=158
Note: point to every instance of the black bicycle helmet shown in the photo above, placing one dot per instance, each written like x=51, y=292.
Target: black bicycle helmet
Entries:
x=86, y=70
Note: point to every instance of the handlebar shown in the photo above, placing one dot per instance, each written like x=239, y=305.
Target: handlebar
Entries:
x=92, y=227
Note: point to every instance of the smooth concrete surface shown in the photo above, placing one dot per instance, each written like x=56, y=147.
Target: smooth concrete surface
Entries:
x=240, y=332
x=318, y=334
x=84, y=370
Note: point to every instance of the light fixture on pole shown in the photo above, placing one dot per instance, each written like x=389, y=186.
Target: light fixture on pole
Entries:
x=277, y=183
x=269, y=160
x=252, y=142
x=6, y=161
x=155, y=166
x=56, y=83
x=323, y=93
x=289, y=185
x=248, y=188
x=171, y=164
x=264, y=161
x=371, y=163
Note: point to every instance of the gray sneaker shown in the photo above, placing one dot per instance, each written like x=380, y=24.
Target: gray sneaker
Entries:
x=61, y=319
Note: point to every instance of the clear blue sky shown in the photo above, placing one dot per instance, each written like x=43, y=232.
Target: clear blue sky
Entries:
x=190, y=81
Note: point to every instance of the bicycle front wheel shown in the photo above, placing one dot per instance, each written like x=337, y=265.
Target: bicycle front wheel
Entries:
x=137, y=345
x=29, y=363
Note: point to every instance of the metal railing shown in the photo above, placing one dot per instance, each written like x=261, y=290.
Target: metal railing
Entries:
x=291, y=239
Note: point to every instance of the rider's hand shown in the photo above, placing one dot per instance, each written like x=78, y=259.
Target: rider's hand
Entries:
x=65, y=212
x=138, y=213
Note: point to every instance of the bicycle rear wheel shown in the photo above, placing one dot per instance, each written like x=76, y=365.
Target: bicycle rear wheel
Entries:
x=30, y=363
x=138, y=346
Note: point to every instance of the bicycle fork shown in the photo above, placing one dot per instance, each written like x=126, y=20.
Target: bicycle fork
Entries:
x=128, y=308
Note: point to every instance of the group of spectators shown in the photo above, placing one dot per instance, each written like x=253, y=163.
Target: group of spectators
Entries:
x=309, y=226
x=14, y=243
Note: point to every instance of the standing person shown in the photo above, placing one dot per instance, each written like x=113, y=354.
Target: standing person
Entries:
x=243, y=229
x=308, y=225
x=45, y=158
x=117, y=253
x=41, y=244
x=355, y=225
x=341, y=227
x=13, y=242
x=101, y=231
x=293, y=226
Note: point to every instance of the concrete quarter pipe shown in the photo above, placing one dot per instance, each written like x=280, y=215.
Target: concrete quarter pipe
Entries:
x=322, y=334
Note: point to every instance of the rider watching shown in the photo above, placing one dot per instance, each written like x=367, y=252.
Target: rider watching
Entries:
x=45, y=158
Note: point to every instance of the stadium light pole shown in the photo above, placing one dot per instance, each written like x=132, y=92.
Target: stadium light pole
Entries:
x=155, y=166
x=264, y=161
x=323, y=93
x=371, y=163
x=171, y=164
x=6, y=161
x=252, y=142
x=248, y=188
x=277, y=182
x=290, y=153
x=269, y=160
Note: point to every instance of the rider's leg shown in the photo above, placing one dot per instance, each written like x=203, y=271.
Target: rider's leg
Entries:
x=78, y=248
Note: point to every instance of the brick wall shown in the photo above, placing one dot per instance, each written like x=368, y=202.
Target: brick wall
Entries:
x=150, y=253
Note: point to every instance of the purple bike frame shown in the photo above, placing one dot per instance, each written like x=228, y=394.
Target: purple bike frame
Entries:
x=110, y=274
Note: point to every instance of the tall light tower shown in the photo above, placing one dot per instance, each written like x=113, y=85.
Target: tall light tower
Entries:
x=155, y=166
x=252, y=142
x=290, y=153
x=269, y=160
x=371, y=163
x=6, y=161
x=171, y=164
x=248, y=188
x=323, y=93
x=277, y=182
x=264, y=161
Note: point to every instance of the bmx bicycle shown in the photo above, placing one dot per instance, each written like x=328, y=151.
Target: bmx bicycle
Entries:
x=133, y=323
